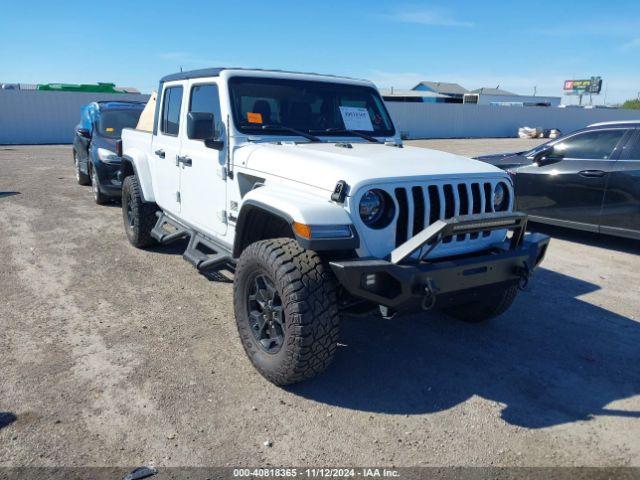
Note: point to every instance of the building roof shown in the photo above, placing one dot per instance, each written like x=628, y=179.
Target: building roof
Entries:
x=493, y=91
x=396, y=92
x=444, y=88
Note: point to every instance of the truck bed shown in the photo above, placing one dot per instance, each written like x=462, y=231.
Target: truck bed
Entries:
x=134, y=139
x=136, y=148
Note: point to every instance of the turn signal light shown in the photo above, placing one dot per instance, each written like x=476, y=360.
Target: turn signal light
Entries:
x=319, y=232
x=303, y=230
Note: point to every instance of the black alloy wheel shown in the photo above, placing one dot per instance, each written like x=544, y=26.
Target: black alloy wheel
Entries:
x=265, y=313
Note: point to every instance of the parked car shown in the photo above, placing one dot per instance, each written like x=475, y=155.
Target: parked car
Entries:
x=589, y=179
x=96, y=143
x=302, y=184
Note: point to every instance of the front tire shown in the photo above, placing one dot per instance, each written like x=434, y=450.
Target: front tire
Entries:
x=492, y=305
x=286, y=310
x=139, y=216
x=81, y=177
x=99, y=197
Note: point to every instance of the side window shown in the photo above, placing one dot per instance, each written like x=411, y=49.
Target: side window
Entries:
x=205, y=99
x=170, y=123
x=595, y=145
x=632, y=152
x=85, y=118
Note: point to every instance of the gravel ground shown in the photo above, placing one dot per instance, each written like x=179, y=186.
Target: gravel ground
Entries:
x=117, y=356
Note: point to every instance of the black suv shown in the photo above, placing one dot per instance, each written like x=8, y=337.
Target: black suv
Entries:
x=96, y=145
x=588, y=179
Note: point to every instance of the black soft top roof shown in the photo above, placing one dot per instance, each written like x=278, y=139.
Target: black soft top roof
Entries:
x=215, y=72
x=203, y=72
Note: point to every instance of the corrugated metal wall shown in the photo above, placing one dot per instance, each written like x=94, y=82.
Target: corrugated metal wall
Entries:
x=429, y=120
x=34, y=117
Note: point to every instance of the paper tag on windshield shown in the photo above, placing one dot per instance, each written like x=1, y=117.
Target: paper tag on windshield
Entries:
x=356, y=118
x=254, y=117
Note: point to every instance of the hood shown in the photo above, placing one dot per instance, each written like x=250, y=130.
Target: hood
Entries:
x=104, y=142
x=323, y=164
x=505, y=160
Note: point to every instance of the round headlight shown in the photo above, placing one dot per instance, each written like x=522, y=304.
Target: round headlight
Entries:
x=376, y=208
x=500, y=197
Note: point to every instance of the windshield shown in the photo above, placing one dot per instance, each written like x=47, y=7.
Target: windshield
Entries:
x=322, y=108
x=543, y=146
x=111, y=122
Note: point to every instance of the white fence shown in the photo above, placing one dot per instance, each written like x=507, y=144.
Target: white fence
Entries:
x=41, y=117
x=424, y=120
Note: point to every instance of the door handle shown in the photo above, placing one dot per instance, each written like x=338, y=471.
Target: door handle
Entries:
x=186, y=161
x=160, y=153
x=592, y=173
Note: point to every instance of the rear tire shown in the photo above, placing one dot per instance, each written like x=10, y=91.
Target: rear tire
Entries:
x=139, y=216
x=489, y=307
x=286, y=310
x=82, y=178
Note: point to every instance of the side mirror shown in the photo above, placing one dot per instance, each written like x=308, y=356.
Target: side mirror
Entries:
x=547, y=157
x=201, y=126
x=84, y=133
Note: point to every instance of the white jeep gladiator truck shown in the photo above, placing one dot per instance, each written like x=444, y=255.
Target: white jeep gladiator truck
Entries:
x=300, y=184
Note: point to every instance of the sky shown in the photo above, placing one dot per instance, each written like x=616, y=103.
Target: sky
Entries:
x=517, y=46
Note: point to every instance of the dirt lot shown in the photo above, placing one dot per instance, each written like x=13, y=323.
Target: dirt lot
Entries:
x=116, y=356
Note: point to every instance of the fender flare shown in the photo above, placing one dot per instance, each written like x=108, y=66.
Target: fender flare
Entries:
x=141, y=166
x=271, y=200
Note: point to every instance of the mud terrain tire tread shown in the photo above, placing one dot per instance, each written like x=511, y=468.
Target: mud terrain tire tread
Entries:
x=307, y=289
x=144, y=214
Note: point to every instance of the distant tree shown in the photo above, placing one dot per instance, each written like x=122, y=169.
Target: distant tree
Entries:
x=632, y=104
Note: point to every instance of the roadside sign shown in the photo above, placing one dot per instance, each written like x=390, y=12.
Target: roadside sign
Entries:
x=580, y=87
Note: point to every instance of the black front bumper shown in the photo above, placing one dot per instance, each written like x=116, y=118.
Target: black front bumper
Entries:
x=403, y=284
x=109, y=178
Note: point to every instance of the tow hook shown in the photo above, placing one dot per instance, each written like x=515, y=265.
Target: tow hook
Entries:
x=524, y=273
x=429, y=300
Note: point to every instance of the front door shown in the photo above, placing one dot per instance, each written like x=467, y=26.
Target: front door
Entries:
x=621, y=207
x=203, y=185
x=166, y=148
x=83, y=143
x=571, y=190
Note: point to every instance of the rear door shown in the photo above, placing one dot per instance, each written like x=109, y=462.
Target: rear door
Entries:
x=166, y=145
x=621, y=206
x=571, y=191
x=203, y=185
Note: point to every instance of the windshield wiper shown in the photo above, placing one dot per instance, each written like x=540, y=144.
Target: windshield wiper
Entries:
x=306, y=135
x=346, y=130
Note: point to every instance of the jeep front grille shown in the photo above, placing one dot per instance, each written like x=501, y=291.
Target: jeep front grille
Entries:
x=420, y=206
